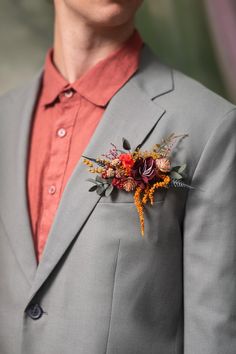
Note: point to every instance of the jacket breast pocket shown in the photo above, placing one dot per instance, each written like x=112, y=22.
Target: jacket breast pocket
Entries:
x=121, y=220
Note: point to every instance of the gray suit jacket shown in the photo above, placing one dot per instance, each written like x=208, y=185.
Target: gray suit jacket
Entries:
x=101, y=287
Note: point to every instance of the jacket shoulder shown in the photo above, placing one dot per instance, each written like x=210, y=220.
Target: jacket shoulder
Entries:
x=175, y=89
x=190, y=106
x=192, y=92
x=191, y=98
x=20, y=92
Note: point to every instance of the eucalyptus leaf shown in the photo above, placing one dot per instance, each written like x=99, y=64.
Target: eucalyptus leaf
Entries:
x=126, y=144
x=93, y=188
x=176, y=175
x=100, y=179
x=175, y=168
x=109, y=180
x=182, y=168
x=92, y=180
x=100, y=190
x=109, y=190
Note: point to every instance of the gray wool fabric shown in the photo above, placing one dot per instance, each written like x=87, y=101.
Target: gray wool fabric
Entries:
x=104, y=289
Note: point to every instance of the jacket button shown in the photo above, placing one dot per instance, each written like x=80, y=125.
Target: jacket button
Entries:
x=34, y=311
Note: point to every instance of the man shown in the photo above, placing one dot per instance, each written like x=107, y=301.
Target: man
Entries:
x=75, y=274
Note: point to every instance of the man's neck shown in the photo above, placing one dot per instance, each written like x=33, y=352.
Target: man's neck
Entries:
x=78, y=46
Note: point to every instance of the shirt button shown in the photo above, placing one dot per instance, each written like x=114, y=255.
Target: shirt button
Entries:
x=69, y=93
x=61, y=132
x=52, y=189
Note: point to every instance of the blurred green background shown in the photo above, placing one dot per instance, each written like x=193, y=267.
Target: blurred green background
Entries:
x=179, y=31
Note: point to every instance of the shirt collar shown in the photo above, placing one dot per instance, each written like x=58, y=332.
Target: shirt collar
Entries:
x=102, y=81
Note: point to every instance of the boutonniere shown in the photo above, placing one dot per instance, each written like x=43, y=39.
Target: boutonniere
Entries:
x=138, y=172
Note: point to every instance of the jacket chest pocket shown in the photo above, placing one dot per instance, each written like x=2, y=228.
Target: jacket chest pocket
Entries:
x=120, y=219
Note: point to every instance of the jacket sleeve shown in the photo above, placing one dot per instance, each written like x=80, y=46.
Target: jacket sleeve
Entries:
x=209, y=247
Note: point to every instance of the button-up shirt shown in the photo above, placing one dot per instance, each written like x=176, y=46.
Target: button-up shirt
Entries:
x=65, y=119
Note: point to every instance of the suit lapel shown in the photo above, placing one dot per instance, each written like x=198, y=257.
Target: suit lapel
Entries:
x=16, y=119
x=131, y=114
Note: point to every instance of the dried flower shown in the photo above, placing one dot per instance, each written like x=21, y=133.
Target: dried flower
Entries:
x=144, y=171
x=127, y=160
x=117, y=182
x=129, y=184
x=115, y=162
x=163, y=164
x=110, y=172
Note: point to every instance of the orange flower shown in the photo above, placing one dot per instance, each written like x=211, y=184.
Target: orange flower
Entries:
x=127, y=160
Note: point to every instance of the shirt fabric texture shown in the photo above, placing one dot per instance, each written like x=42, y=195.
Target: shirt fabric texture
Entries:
x=65, y=118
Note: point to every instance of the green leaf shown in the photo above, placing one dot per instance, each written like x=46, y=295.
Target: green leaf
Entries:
x=93, y=188
x=100, y=189
x=109, y=190
x=100, y=179
x=92, y=180
x=176, y=175
x=126, y=144
x=175, y=168
x=88, y=158
x=182, y=168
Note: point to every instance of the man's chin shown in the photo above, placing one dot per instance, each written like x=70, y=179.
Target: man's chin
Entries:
x=116, y=13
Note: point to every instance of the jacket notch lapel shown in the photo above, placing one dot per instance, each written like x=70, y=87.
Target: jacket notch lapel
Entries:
x=130, y=114
x=17, y=111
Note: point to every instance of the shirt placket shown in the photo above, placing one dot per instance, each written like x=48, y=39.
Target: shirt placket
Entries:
x=61, y=135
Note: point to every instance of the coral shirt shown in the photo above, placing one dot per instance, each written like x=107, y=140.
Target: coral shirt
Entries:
x=65, y=118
